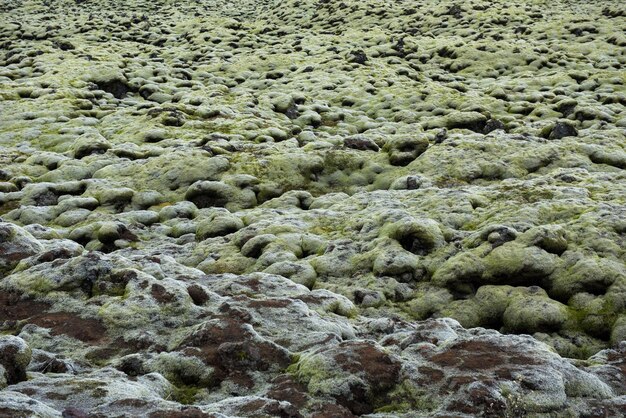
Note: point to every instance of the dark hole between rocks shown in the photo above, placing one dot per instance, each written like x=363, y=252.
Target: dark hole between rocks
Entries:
x=222, y=232
x=415, y=245
x=209, y=200
x=132, y=366
x=82, y=240
x=463, y=290
x=117, y=88
x=476, y=126
x=197, y=294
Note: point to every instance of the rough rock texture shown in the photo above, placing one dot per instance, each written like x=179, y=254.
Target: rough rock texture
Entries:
x=312, y=208
x=15, y=356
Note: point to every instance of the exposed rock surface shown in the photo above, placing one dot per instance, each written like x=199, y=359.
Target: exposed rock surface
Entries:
x=312, y=208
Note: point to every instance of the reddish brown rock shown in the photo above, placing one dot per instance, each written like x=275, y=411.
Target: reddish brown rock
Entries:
x=358, y=374
x=233, y=348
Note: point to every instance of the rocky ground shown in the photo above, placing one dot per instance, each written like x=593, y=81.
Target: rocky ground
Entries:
x=312, y=208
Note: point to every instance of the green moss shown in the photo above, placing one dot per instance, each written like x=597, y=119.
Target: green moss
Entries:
x=9, y=206
x=396, y=407
x=39, y=286
x=99, y=393
x=408, y=397
x=185, y=394
x=127, y=293
x=309, y=368
x=606, y=312
x=293, y=367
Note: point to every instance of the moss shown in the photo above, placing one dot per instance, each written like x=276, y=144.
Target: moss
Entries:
x=99, y=393
x=9, y=206
x=123, y=313
x=407, y=397
x=161, y=206
x=293, y=367
x=606, y=314
x=313, y=371
x=514, y=407
x=396, y=407
x=119, y=291
x=185, y=394
x=40, y=286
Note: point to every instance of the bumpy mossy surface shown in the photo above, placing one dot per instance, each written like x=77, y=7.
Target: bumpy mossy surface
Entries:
x=256, y=207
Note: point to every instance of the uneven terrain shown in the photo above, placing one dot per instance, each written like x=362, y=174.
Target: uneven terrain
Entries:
x=312, y=208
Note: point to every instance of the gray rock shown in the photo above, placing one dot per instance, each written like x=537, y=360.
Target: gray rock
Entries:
x=15, y=245
x=15, y=356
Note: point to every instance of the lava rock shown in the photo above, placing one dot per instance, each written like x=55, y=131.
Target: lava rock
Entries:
x=562, y=130
x=15, y=356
